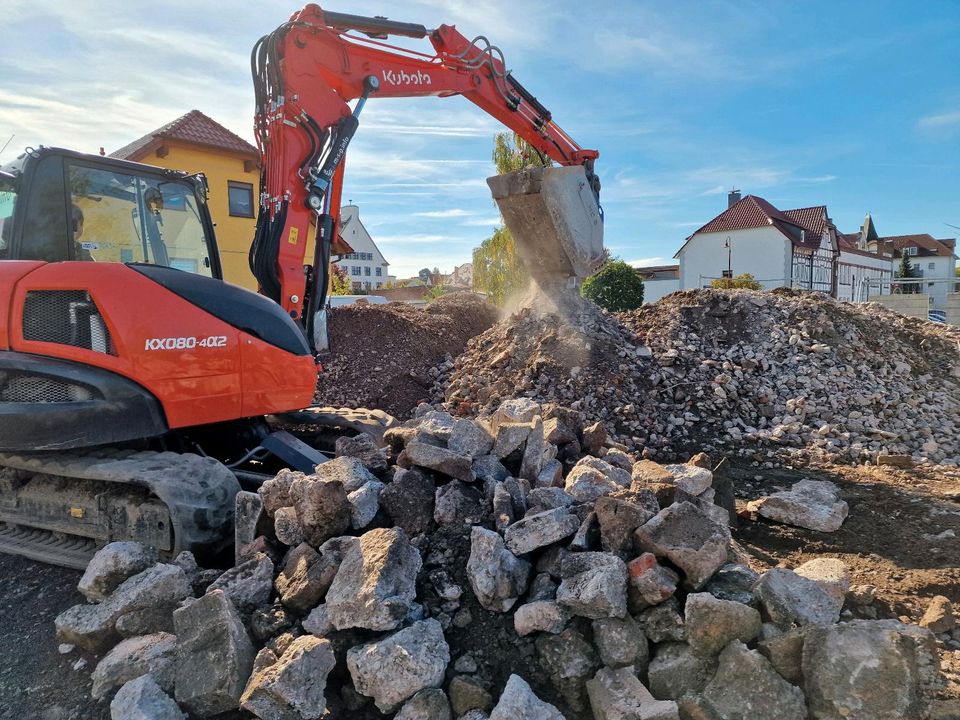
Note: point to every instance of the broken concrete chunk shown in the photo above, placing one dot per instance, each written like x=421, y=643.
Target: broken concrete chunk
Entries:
x=594, y=585
x=93, y=627
x=457, y=503
x=488, y=467
x=143, y=699
x=286, y=526
x=429, y=704
x=646, y=473
x=833, y=576
x=269, y=621
x=511, y=437
x=785, y=653
x=540, y=616
x=348, y=471
x=541, y=499
x=365, y=449
x=620, y=514
x=594, y=438
x=733, y=582
x=939, y=616
x=617, y=694
x=154, y=654
x=516, y=410
x=663, y=622
x=621, y=642
x=711, y=623
x=540, y=530
x=676, y=671
x=305, y=578
x=532, y=462
x=146, y=622
x=408, y=500
x=396, y=667
x=318, y=622
x=585, y=484
x=746, y=687
x=497, y=576
x=248, y=585
x=322, y=508
x=551, y=474
x=111, y=565
x=811, y=504
x=689, y=539
x=275, y=493
x=375, y=587
x=790, y=599
x=470, y=438
x=570, y=661
x=436, y=427
x=364, y=504
x=442, y=460
x=690, y=478
x=466, y=695
x=293, y=687
x=876, y=669
x=518, y=701
x=214, y=655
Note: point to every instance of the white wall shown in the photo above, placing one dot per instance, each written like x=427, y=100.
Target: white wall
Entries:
x=653, y=290
x=359, y=239
x=853, y=268
x=943, y=267
x=763, y=252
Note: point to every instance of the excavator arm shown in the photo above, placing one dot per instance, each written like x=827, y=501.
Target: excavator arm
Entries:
x=306, y=72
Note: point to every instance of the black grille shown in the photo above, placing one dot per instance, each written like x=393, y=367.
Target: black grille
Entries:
x=65, y=317
x=27, y=388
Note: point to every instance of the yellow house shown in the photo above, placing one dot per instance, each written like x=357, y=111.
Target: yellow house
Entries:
x=196, y=143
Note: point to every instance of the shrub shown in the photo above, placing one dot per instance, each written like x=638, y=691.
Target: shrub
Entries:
x=744, y=281
x=617, y=287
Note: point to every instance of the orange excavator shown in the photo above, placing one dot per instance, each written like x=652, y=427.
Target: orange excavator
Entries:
x=138, y=391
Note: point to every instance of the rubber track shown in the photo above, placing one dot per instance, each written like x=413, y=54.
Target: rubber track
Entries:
x=199, y=492
x=374, y=422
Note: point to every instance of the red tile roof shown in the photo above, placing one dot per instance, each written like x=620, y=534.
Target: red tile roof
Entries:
x=755, y=212
x=812, y=218
x=924, y=241
x=195, y=128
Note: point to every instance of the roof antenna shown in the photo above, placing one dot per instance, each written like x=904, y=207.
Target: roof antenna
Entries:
x=8, y=142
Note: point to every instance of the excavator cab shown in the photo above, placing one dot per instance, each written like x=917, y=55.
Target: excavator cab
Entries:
x=58, y=205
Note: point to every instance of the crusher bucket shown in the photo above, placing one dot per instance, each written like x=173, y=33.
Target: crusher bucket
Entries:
x=555, y=220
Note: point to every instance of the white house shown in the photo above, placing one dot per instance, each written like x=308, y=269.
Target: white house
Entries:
x=932, y=259
x=658, y=280
x=798, y=248
x=366, y=266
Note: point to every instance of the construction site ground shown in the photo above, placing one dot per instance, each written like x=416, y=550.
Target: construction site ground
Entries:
x=902, y=536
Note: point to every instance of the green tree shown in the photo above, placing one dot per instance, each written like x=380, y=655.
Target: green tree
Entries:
x=424, y=275
x=743, y=281
x=906, y=271
x=339, y=281
x=497, y=268
x=617, y=287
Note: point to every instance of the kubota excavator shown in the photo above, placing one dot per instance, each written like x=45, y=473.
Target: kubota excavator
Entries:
x=138, y=391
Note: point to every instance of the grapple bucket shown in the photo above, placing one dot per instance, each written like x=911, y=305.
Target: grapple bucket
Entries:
x=555, y=221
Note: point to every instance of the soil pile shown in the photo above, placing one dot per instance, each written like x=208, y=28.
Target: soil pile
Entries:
x=381, y=356
x=779, y=373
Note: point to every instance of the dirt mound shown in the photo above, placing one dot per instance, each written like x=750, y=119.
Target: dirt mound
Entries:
x=381, y=356
x=782, y=372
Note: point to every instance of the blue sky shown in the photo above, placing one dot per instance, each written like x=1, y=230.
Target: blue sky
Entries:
x=851, y=104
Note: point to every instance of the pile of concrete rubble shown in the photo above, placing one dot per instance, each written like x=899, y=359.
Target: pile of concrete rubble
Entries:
x=785, y=373
x=520, y=565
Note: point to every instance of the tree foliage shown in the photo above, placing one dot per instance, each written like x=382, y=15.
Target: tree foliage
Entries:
x=339, y=281
x=434, y=292
x=497, y=267
x=907, y=271
x=743, y=281
x=617, y=287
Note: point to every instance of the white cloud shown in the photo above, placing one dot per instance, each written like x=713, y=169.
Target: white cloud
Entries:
x=943, y=120
x=452, y=213
x=650, y=261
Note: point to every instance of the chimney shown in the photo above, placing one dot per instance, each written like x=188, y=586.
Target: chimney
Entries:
x=733, y=197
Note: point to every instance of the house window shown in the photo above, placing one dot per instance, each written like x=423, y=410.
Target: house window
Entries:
x=355, y=270
x=240, y=196
x=379, y=271
x=931, y=266
x=366, y=271
x=912, y=250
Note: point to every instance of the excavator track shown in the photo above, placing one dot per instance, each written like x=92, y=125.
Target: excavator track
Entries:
x=61, y=507
x=373, y=422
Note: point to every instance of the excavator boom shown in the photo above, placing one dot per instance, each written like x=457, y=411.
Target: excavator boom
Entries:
x=306, y=73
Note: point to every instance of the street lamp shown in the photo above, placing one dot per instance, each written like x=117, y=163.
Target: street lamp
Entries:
x=729, y=247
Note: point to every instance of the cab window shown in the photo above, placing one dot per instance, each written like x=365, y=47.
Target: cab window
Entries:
x=119, y=217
